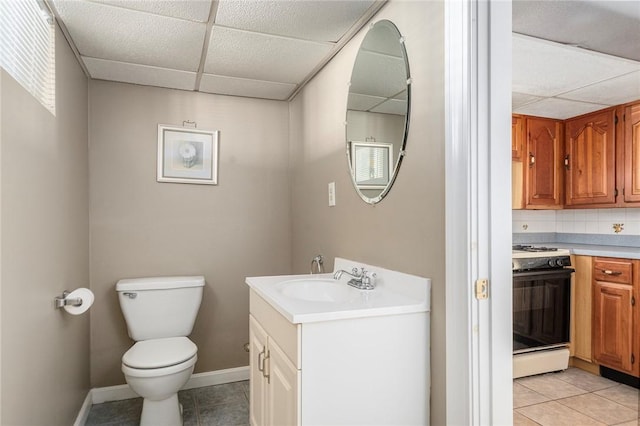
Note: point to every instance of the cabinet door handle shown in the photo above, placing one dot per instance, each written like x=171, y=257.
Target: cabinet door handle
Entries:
x=261, y=360
x=609, y=272
x=532, y=159
x=566, y=162
x=266, y=374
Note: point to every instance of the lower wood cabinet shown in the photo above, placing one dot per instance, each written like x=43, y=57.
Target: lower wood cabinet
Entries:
x=581, y=296
x=615, y=326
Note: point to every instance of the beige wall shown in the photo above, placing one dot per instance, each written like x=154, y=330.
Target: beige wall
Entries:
x=139, y=227
x=45, y=247
x=406, y=230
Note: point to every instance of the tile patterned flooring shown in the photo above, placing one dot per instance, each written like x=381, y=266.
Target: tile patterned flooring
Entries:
x=573, y=397
x=220, y=405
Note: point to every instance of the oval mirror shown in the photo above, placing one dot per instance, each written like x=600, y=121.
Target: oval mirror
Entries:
x=378, y=111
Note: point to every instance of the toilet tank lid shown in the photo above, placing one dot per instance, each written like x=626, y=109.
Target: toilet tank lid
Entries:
x=159, y=283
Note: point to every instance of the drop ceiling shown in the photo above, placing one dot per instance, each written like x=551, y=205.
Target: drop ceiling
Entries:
x=569, y=57
x=574, y=57
x=254, y=48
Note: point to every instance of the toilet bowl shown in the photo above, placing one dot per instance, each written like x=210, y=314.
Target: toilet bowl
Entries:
x=160, y=313
x=156, y=369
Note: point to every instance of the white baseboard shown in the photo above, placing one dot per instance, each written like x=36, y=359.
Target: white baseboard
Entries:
x=120, y=392
x=83, y=415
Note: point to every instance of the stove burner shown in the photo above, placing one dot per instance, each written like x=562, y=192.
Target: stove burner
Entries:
x=533, y=249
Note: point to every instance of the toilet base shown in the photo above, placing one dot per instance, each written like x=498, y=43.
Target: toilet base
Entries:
x=161, y=413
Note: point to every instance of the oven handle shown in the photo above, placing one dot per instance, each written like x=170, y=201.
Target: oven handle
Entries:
x=539, y=272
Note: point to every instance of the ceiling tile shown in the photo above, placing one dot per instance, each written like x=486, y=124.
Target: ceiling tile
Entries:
x=616, y=91
x=521, y=99
x=547, y=69
x=244, y=87
x=139, y=74
x=604, y=26
x=390, y=78
x=192, y=10
x=358, y=102
x=392, y=106
x=308, y=20
x=261, y=57
x=557, y=108
x=113, y=33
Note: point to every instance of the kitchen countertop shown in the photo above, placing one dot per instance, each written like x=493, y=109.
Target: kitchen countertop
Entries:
x=597, y=250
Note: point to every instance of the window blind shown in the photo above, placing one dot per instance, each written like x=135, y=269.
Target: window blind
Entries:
x=27, y=47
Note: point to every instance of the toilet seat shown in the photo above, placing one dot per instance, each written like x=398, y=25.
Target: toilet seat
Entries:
x=159, y=353
x=159, y=357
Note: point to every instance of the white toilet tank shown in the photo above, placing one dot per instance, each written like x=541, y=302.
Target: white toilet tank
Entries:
x=160, y=307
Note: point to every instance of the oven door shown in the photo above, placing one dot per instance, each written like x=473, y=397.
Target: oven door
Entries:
x=541, y=309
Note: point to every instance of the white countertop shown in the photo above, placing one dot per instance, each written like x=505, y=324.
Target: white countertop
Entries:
x=395, y=293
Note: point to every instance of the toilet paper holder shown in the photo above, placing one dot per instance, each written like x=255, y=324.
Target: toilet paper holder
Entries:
x=62, y=301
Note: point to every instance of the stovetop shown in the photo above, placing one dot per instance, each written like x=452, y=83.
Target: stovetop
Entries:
x=531, y=258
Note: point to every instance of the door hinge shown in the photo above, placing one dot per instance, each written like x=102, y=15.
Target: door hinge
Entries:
x=615, y=121
x=633, y=359
x=633, y=301
x=482, y=289
x=615, y=192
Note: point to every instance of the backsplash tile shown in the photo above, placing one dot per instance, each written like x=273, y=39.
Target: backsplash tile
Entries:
x=588, y=221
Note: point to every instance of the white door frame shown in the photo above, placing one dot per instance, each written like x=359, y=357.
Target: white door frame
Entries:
x=478, y=211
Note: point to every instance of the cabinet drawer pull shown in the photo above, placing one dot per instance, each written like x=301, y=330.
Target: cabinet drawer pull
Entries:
x=261, y=360
x=266, y=374
x=610, y=272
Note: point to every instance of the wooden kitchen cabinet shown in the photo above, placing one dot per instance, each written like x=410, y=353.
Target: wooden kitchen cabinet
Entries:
x=581, y=296
x=543, y=169
x=536, y=173
x=631, y=190
x=590, y=159
x=615, y=326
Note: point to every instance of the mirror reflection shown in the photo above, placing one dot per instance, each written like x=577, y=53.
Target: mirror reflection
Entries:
x=378, y=111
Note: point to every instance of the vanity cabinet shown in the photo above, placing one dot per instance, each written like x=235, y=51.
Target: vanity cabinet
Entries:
x=343, y=369
x=274, y=375
x=631, y=190
x=537, y=168
x=615, y=324
x=590, y=159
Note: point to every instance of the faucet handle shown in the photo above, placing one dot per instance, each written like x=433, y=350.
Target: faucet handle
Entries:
x=369, y=279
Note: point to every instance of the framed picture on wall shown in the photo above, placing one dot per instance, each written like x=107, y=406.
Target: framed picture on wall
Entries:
x=187, y=155
x=371, y=164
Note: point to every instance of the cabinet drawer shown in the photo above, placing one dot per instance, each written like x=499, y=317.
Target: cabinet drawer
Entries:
x=612, y=270
x=278, y=327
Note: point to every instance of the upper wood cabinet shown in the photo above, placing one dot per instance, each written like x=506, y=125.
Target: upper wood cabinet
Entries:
x=631, y=189
x=543, y=169
x=517, y=137
x=590, y=159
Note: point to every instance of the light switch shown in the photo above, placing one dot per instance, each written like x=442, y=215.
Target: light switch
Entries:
x=332, y=194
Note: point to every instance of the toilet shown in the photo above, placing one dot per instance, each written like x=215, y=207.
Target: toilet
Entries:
x=160, y=313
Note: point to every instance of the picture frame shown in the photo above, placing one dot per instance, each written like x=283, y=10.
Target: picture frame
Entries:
x=187, y=155
x=371, y=164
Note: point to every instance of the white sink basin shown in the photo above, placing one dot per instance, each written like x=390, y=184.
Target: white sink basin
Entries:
x=316, y=290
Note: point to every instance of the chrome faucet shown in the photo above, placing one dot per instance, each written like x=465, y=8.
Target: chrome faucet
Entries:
x=360, y=279
x=319, y=262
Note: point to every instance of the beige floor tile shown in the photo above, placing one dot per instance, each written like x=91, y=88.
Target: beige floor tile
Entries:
x=523, y=396
x=553, y=413
x=585, y=380
x=631, y=423
x=599, y=408
x=520, y=420
x=622, y=394
x=550, y=386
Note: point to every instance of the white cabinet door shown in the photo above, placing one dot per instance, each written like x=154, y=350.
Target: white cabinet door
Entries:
x=284, y=384
x=258, y=383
